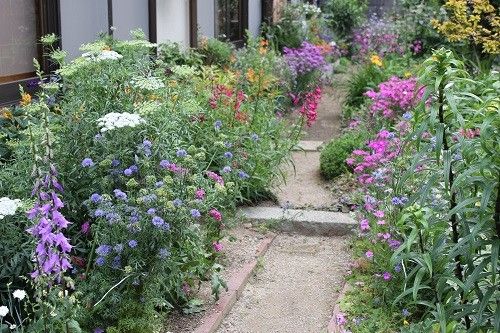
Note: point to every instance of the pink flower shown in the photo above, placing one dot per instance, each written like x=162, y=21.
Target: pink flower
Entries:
x=200, y=194
x=341, y=320
x=85, y=228
x=364, y=225
x=369, y=254
x=217, y=246
x=380, y=214
x=215, y=214
x=387, y=276
x=381, y=222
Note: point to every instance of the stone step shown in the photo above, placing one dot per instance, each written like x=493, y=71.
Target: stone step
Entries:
x=302, y=221
x=309, y=146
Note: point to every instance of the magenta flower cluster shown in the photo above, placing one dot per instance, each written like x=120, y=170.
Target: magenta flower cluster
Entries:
x=376, y=37
x=52, y=248
x=395, y=97
x=370, y=163
x=304, y=59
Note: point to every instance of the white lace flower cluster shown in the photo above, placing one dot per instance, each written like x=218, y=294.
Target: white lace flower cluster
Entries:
x=184, y=71
x=149, y=107
x=102, y=55
x=147, y=83
x=8, y=206
x=118, y=120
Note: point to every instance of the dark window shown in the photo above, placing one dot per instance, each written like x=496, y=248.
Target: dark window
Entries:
x=231, y=19
x=22, y=22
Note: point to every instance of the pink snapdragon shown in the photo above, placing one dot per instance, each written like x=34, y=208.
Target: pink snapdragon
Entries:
x=310, y=105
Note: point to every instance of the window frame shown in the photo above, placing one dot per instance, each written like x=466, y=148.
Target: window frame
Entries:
x=244, y=23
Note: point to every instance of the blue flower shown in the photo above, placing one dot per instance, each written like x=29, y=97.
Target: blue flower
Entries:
x=228, y=144
x=164, y=164
x=149, y=198
x=112, y=217
x=119, y=194
x=128, y=172
x=405, y=312
x=195, y=213
x=118, y=248
x=117, y=262
x=226, y=169
x=98, y=137
x=132, y=243
x=115, y=163
x=158, y=221
x=100, y=261
x=99, y=213
x=103, y=250
x=228, y=154
x=147, y=144
x=218, y=125
x=243, y=175
x=181, y=153
x=407, y=115
x=95, y=198
x=159, y=184
x=134, y=168
x=87, y=163
x=164, y=253
x=151, y=211
x=254, y=137
x=177, y=202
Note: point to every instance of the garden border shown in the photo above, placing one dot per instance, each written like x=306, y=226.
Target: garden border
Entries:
x=236, y=284
x=333, y=327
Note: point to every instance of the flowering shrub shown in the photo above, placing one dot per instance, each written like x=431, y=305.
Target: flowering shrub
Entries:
x=151, y=169
x=376, y=36
x=306, y=63
x=394, y=97
x=416, y=210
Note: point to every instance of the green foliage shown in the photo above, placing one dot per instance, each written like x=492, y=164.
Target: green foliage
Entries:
x=12, y=123
x=342, y=16
x=172, y=54
x=365, y=78
x=333, y=156
x=216, y=52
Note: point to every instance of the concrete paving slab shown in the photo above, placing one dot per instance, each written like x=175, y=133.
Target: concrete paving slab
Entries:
x=309, y=145
x=304, y=222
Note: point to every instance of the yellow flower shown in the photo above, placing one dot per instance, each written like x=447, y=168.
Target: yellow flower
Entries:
x=251, y=75
x=25, y=99
x=263, y=46
x=5, y=113
x=405, y=322
x=375, y=59
x=407, y=75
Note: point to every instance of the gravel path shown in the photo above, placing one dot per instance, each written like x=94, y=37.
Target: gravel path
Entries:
x=296, y=290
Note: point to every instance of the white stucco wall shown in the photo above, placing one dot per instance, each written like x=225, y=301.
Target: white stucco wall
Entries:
x=81, y=22
x=254, y=16
x=172, y=21
x=206, y=18
x=130, y=15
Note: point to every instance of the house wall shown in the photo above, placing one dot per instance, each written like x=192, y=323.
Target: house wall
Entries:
x=130, y=15
x=81, y=22
x=206, y=18
x=254, y=16
x=172, y=21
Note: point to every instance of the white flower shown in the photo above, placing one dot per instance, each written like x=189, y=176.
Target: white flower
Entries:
x=19, y=294
x=117, y=120
x=8, y=206
x=3, y=311
x=147, y=83
x=102, y=55
x=13, y=326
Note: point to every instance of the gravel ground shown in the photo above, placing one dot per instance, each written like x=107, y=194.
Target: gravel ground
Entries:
x=236, y=253
x=295, y=291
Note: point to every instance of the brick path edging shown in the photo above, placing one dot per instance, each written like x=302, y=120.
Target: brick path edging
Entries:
x=235, y=285
x=333, y=327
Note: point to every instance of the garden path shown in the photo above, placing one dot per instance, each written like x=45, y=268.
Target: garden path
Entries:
x=304, y=187
x=300, y=278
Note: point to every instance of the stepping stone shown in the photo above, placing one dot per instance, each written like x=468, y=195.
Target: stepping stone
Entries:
x=309, y=146
x=304, y=222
